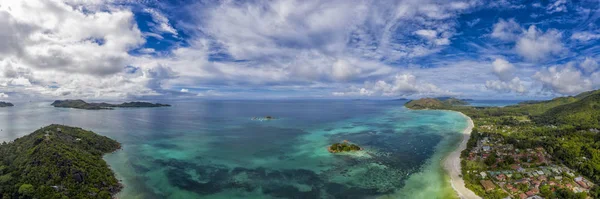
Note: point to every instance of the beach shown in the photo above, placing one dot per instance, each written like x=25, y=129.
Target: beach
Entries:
x=452, y=164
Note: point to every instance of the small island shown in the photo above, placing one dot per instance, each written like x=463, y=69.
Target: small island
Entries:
x=343, y=147
x=58, y=162
x=263, y=118
x=6, y=104
x=80, y=104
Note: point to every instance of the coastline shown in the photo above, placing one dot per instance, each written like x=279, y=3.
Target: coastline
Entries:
x=452, y=164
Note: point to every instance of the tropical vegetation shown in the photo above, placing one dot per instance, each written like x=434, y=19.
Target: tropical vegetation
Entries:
x=57, y=162
x=566, y=127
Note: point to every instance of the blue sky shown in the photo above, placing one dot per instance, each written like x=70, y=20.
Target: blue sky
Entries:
x=298, y=49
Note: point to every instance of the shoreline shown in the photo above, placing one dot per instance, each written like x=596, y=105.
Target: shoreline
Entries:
x=452, y=164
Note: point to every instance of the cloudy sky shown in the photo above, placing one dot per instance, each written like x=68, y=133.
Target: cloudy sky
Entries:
x=498, y=49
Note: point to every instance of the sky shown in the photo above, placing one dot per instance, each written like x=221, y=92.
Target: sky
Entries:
x=255, y=49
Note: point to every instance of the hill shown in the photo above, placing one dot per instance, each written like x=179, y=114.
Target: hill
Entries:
x=80, y=104
x=564, y=127
x=6, y=104
x=582, y=114
x=57, y=162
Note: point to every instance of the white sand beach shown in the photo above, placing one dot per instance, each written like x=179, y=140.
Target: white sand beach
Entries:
x=452, y=165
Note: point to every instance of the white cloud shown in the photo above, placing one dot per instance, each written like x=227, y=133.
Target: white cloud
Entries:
x=563, y=80
x=48, y=39
x=183, y=90
x=427, y=34
x=210, y=93
x=20, y=81
x=71, y=49
x=557, y=6
x=399, y=85
x=506, y=30
x=3, y=95
x=161, y=22
x=503, y=69
x=473, y=22
x=536, y=45
x=514, y=85
x=585, y=36
x=589, y=65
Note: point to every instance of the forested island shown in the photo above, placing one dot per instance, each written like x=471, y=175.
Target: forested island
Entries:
x=545, y=148
x=343, y=147
x=58, y=162
x=80, y=104
x=434, y=103
x=6, y=104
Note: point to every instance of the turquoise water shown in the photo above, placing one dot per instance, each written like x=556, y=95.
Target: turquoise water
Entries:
x=212, y=149
x=498, y=103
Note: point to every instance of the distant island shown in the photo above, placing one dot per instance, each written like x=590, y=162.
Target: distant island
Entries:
x=58, y=162
x=263, y=118
x=545, y=148
x=6, y=104
x=80, y=104
x=343, y=147
x=434, y=103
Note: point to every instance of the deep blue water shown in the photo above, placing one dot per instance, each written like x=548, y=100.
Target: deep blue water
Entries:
x=213, y=149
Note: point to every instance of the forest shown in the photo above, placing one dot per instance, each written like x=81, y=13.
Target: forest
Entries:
x=57, y=162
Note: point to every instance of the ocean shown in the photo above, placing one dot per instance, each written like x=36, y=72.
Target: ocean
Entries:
x=214, y=149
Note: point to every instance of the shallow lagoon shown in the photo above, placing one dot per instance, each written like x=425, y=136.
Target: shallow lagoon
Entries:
x=213, y=149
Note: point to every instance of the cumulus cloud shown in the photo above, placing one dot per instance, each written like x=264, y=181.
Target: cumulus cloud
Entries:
x=47, y=40
x=399, y=85
x=504, y=70
x=565, y=80
x=589, y=65
x=79, y=49
x=3, y=95
x=507, y=30
x=514, y=85
x=536, y=45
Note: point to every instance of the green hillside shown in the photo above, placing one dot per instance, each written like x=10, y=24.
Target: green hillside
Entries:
x=567, y=128
x=582, y=114
x=57, y=162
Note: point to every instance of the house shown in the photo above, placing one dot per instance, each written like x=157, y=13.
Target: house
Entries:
x=522, y=196
x=486, y=148
x=488, y=185
x=501, y=177
x=515, y=167
x=540, y=172
x=532, y=192
x=577, y=179
x=483, y=174
x=582, y=184
x=542, y=178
